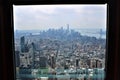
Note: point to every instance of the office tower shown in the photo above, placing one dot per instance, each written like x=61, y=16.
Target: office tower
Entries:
x=52, y=61
x=92, y=63
x=43, y=62
x=17, y=58
x=77, y=62
x=22, y=43
x=24, y=60
x=32, y=54
x=33, y=46
x=99, y=64
x=24, y=47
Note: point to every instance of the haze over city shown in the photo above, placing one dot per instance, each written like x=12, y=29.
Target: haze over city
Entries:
x=42, y=17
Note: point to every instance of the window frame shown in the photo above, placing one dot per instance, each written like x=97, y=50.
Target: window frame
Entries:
x=7, y=34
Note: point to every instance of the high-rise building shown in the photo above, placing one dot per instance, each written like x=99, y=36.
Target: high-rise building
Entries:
x=24, y=47
x=43, y=62
x=77, y=62
x=22, y=43
x=68, y=27
x=99, y=63
x=17, y=58
x=32, y=54
x=96, y=63
x=24, y=60
x=52, y=61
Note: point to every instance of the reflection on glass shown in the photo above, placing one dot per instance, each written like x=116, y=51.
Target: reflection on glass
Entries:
x=60, y=42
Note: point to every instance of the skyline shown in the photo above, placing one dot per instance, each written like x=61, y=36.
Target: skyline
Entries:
x=42, y=17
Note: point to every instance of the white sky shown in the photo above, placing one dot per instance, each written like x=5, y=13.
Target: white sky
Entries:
x=56, y=16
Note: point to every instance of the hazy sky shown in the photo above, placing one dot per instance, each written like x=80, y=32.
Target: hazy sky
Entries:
x=56, y=16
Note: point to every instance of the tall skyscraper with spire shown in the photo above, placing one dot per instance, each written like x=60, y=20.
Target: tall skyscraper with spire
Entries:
x=68, y=27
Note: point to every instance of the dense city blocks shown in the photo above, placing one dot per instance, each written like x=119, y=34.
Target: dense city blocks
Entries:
x=59, y=54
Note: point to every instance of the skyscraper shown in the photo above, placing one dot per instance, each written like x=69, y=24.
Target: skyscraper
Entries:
x=43, y=62
x=22, y=43
x=17, y=58
x=68, y=27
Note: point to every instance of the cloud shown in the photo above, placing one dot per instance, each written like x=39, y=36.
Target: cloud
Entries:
x=55, y=16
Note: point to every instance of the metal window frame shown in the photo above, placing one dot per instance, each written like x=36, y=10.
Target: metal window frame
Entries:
x=7, y=34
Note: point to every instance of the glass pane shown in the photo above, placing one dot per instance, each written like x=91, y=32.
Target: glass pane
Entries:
x=60, y=42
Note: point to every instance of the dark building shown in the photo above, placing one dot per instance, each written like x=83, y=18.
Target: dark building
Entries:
x=32, y=54
x=77, y=62
x=17, y=58
x=22, y=43
x=43, y=62
x=33, y=46
x=24, y=47
x=53, y=62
